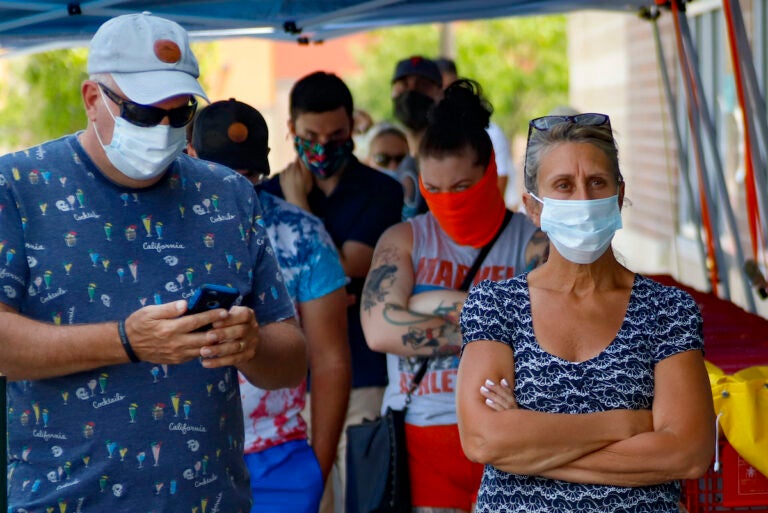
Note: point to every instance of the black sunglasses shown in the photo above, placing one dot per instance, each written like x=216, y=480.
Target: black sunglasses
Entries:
x=545, y=123
x=146, y=115
x=588, y=119
x=383, y=159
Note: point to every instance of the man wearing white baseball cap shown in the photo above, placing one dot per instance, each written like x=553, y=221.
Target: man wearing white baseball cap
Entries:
x=118, y=401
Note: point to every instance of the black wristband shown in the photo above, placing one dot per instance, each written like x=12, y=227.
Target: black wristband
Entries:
x=126, y=343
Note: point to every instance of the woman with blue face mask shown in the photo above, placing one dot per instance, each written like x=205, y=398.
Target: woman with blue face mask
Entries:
x=582, y=384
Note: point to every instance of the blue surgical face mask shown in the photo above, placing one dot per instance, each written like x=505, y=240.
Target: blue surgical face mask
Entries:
x=142, y=153
x=580, y=230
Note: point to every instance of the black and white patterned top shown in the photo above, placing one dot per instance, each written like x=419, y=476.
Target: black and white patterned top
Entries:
x=660, y=321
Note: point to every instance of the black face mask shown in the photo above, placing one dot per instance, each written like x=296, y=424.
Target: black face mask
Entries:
x=411, y=108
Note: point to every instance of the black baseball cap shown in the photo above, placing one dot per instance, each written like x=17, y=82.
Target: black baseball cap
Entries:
x=420, y=66
x=234, y=134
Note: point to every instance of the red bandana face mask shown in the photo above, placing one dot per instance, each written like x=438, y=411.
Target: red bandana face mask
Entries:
x=473, y=216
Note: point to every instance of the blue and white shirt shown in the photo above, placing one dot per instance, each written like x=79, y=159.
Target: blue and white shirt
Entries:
x=660, y=322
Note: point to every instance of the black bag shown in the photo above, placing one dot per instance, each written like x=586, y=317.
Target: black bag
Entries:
x=377, y=466
x=378, y=480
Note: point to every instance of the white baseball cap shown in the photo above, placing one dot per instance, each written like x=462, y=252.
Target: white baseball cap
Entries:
x=149, y=58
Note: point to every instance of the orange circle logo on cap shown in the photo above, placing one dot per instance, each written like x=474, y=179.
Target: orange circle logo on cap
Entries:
x=167, y=51
x=237, y=132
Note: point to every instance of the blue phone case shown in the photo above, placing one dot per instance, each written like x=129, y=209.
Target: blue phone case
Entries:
x=210, y=296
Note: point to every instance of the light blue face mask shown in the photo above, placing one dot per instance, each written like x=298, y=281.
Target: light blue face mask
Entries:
x=142, y=153
x=580, y=230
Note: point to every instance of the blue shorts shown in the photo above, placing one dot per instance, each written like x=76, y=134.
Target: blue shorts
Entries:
x=284, y=478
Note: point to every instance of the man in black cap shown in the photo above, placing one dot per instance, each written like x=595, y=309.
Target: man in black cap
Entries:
x=283, y=467
x=234, y=134
x=416, y=87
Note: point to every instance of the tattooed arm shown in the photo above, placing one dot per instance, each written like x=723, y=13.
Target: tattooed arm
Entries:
x=389, y=324
x=443, y=303
x=537, y=250
x=448, y=303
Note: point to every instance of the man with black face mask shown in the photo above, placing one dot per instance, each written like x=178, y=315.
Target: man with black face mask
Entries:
x=416, y=87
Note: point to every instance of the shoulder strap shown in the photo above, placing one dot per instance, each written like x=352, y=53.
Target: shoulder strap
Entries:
x=484, y=252
x=464, y=286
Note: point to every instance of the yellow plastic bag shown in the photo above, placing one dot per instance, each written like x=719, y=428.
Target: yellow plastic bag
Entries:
x=742, y=399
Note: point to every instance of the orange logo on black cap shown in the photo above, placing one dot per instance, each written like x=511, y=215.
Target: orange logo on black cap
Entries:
x=167, y=51
x=237, y=132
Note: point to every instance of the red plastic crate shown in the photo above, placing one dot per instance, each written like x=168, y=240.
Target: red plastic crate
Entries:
x=736, y=487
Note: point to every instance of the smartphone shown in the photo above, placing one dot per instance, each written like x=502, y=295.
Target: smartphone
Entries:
x=209, y=297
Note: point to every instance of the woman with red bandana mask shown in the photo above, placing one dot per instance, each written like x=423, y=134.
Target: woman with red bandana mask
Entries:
x=411, y=299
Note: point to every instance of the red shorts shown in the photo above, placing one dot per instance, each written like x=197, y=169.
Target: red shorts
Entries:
x=441, y=476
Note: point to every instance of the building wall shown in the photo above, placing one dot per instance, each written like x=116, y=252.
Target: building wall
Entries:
x=615, y=69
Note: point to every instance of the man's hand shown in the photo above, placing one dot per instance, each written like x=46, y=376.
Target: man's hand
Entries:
x=296, y=182
x=161, y=334
x=233, y=340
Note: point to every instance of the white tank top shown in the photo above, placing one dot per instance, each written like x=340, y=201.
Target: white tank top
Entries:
x=440, y=263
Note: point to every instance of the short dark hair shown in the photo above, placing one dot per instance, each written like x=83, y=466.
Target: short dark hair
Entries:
x=320, y=92
x=458, y=123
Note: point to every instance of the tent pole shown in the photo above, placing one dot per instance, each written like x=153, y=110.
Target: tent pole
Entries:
x=682, y=157
x=755, y=124
x=718, y=167
x=751, y=158
x=715, y=257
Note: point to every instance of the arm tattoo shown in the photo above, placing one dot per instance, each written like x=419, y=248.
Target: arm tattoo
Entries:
x=377, y=285
x=404, y=316
x=449, y=312
x=418, y=338
x=443, y=339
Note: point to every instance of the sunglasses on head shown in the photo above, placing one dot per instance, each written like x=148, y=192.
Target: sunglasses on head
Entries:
x=383, y=159
x=545, y=123
x=147, y=115
x=588, y=119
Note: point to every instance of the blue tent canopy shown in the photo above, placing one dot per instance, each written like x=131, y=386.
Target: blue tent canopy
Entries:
x=40, y=24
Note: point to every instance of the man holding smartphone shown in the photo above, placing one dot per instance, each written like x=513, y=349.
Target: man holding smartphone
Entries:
x=116, y=402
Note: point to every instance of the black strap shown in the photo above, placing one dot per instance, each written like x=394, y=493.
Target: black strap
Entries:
x=483, y=253
x=422, y=371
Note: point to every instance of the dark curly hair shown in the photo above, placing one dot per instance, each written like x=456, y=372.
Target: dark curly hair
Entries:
x=319, y=92
x=458, y=123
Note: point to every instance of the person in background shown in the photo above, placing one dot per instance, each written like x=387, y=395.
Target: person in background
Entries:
x=501, y=148
x=387, y=148
x=356, y=204
x=416, y=87
x=362, y=123
x=286, y=473
x=411, y=299
x=606, y=408
x=117, y=401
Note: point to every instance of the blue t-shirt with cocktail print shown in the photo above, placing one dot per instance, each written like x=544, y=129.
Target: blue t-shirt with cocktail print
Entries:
x=77, y=248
